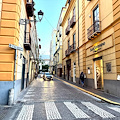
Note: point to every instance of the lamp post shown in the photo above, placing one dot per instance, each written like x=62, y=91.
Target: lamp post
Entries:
x=28, y=21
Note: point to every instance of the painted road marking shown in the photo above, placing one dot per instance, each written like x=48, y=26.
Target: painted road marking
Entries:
x=117, y=109
x=102, y=113
x=52, y=111
x=78, y=113
x=28, y=95
x=26, y=112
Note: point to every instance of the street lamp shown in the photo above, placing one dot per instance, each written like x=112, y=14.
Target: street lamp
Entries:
x=40, y=13
x=27, y=21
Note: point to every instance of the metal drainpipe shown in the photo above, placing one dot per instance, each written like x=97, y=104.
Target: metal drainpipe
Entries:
x=78, y=36
x=15, y=68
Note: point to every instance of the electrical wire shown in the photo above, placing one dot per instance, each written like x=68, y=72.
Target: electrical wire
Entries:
x=49, y=22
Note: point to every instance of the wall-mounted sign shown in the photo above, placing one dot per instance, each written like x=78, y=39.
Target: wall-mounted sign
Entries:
x=88, y=70
x=15, y=47
x=96, y=48
x=100, y=46
x=118, y=77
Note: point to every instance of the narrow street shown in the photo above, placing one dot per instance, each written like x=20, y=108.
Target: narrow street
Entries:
x=48, y=100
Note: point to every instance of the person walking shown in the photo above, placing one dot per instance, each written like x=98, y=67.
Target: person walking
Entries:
x=82, y=78
x=36, y=75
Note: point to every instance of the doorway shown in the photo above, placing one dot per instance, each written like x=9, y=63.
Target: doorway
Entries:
x=74, y=72
x=23, y=74
x=64, y=72
x=98, y=73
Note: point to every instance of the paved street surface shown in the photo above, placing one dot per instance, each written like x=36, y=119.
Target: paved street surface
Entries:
x=55, y=100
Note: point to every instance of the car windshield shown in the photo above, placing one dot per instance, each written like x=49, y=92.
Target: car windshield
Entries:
x=47, y=73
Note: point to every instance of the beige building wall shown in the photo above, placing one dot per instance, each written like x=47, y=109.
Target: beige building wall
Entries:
x=21, y=41
x=0, y=8
x=88, y=52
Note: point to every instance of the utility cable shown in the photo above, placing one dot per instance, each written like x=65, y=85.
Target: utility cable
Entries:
x=48, y=22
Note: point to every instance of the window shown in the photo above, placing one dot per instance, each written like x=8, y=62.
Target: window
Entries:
x=69, y=1
x=96, y=25
x=68, y=43
x=74, y=11
x=69, y=22
x=58, y=57
x=108, y=67
x=74, y=41
x=96, y=14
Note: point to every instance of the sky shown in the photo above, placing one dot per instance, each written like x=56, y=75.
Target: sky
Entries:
x=52, y=10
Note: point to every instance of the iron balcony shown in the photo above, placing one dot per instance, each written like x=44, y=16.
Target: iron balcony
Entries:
x=67, y=30
x=94, y=30
x=27, y=43
x=29, y=9
x=72, y=21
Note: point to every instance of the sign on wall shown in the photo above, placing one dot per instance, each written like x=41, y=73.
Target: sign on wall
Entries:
x=100, y=46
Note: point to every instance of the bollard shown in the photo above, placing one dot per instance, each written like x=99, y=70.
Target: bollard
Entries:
x=11, y=97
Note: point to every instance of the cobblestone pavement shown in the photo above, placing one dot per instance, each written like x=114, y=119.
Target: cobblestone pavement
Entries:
x=55, y=100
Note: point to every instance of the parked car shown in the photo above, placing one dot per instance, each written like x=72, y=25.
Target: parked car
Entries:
x=47, y=76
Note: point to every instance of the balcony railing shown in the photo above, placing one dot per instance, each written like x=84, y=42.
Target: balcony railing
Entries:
x=70, y=49
x=94, y=30
x=67, y=52
x=72, y=21
x=67, y=30
x=27, y=43
x=29, y=8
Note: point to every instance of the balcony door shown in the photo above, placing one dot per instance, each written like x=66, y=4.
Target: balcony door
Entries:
x=68, y=45
x=74, y=11
x=96, y=19
x=73, y=41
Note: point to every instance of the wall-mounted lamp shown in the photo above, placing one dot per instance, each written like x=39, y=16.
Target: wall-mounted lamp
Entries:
x=27, y=21
x=40, y=15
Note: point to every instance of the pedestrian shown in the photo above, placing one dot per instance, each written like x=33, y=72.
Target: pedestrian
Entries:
x=82, y=78
x=36, y=75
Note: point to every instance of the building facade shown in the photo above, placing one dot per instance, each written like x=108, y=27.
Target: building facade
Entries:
x=91, y=40
x=52, y=62
x=15, y=73
x=58, y=50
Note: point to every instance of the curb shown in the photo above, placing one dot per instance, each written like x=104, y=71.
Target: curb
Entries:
x=93, y=94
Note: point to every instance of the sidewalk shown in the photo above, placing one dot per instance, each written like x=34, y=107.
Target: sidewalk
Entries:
x=4, y=109
x=94, y=92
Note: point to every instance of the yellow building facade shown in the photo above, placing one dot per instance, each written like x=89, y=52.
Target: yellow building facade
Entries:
x=13, y=32
x=91, y=40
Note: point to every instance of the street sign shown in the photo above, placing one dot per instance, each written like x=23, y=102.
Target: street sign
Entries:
x=15, y=47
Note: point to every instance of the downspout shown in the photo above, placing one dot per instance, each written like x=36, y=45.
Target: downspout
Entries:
x=78, y=38
x=14, y=68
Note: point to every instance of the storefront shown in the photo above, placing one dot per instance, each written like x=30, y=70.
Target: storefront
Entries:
x=100, y=64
